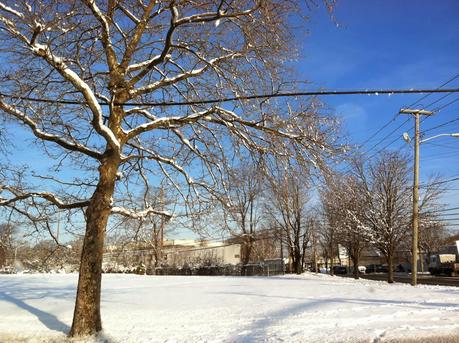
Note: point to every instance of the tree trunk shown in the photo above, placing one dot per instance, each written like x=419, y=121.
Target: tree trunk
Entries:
x=332, y=255
x=295, y=261
x=355, y=261
x=298, y=263
x=331, y=265
x=247, y=246
x=390, y=274
x=2, y=256
x=86, y=317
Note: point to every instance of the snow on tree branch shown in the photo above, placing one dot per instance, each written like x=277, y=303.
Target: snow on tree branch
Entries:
x=52, y=198
x=183, y=76
x=135, y=214
x=106, y=40
x=10, y=10
x=79, y=84
x=74, y=146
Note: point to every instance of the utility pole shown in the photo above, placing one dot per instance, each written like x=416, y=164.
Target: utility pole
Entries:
x=417, y=113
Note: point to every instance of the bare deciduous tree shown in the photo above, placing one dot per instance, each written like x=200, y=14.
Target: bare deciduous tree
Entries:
x=287, y=205
x=432, y=229
x=387, y=207
x=84, y=78
x=242, y=212
x=387, y=214
x=343, y=207
x=6, y=241
x=328, y=240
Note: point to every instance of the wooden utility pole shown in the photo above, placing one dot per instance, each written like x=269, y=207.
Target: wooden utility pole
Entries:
x=414, y=263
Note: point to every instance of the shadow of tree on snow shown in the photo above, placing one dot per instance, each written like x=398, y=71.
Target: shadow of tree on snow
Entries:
x=48, y=319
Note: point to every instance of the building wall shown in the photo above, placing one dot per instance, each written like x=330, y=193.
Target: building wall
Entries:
x=225, y=254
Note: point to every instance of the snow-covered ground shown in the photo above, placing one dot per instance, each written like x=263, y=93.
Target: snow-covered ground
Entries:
x=306, y=308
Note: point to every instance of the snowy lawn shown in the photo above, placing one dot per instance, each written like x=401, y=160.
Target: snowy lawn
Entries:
x=306, y=308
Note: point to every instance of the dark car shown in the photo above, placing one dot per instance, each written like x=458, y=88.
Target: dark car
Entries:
x=337, y=270
x=376, y=268
x=384, y=269
x=403, y=268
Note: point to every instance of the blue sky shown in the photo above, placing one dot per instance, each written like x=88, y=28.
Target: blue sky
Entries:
x=390, y=45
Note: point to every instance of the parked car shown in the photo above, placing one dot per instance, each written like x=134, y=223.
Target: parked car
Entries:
x=324, y=270
x=385, y=268
x=339, y=270
x=403, y=268
x=7, y=270
x=362, y=269
x=375, y=268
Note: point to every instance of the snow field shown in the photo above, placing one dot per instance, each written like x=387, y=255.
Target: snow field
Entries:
x=306, y=308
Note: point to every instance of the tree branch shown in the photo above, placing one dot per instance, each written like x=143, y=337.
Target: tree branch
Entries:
x=140, y=214
x=46, y=136
x=106, y=40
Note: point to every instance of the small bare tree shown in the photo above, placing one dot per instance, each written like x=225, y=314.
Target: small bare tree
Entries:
x=387, y=207
x=287, y=205
x=242, y=212
x=432, y=229
x=343, y=207
x=328, y=240
x=384, y=185
x=6, y=241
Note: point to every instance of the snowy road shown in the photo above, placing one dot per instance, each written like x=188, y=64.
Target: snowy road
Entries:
x=307, y=308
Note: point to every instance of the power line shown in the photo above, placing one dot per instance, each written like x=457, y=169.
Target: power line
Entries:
x=447, y=209
x=450, y=214
x=439, y=99
x=439, y=182
x=414, y=103
x=241, y=97
x=440, y=156
x=387, y=136
x=442, y=145
x=441, y=125
x=438, y=109
x=406, y=121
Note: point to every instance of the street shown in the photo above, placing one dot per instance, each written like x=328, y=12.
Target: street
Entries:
x=406, y=278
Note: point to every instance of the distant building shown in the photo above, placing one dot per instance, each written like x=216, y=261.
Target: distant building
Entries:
x=177, y=253
x=209, y=254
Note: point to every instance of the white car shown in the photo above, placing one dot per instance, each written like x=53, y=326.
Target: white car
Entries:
x=362, y=269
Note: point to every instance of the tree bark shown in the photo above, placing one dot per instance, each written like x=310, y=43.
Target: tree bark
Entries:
x=390, y=274
x=355, y=262
x=297, y=263
x=331, y=262
x=86, y=317
x=247, y=246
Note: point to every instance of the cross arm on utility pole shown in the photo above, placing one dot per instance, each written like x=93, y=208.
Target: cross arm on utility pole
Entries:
x=415, y=111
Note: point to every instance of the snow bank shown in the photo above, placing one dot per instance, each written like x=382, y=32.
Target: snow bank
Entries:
x=306, y=308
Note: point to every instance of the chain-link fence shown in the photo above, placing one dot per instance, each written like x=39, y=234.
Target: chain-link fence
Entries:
x=265, y=268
